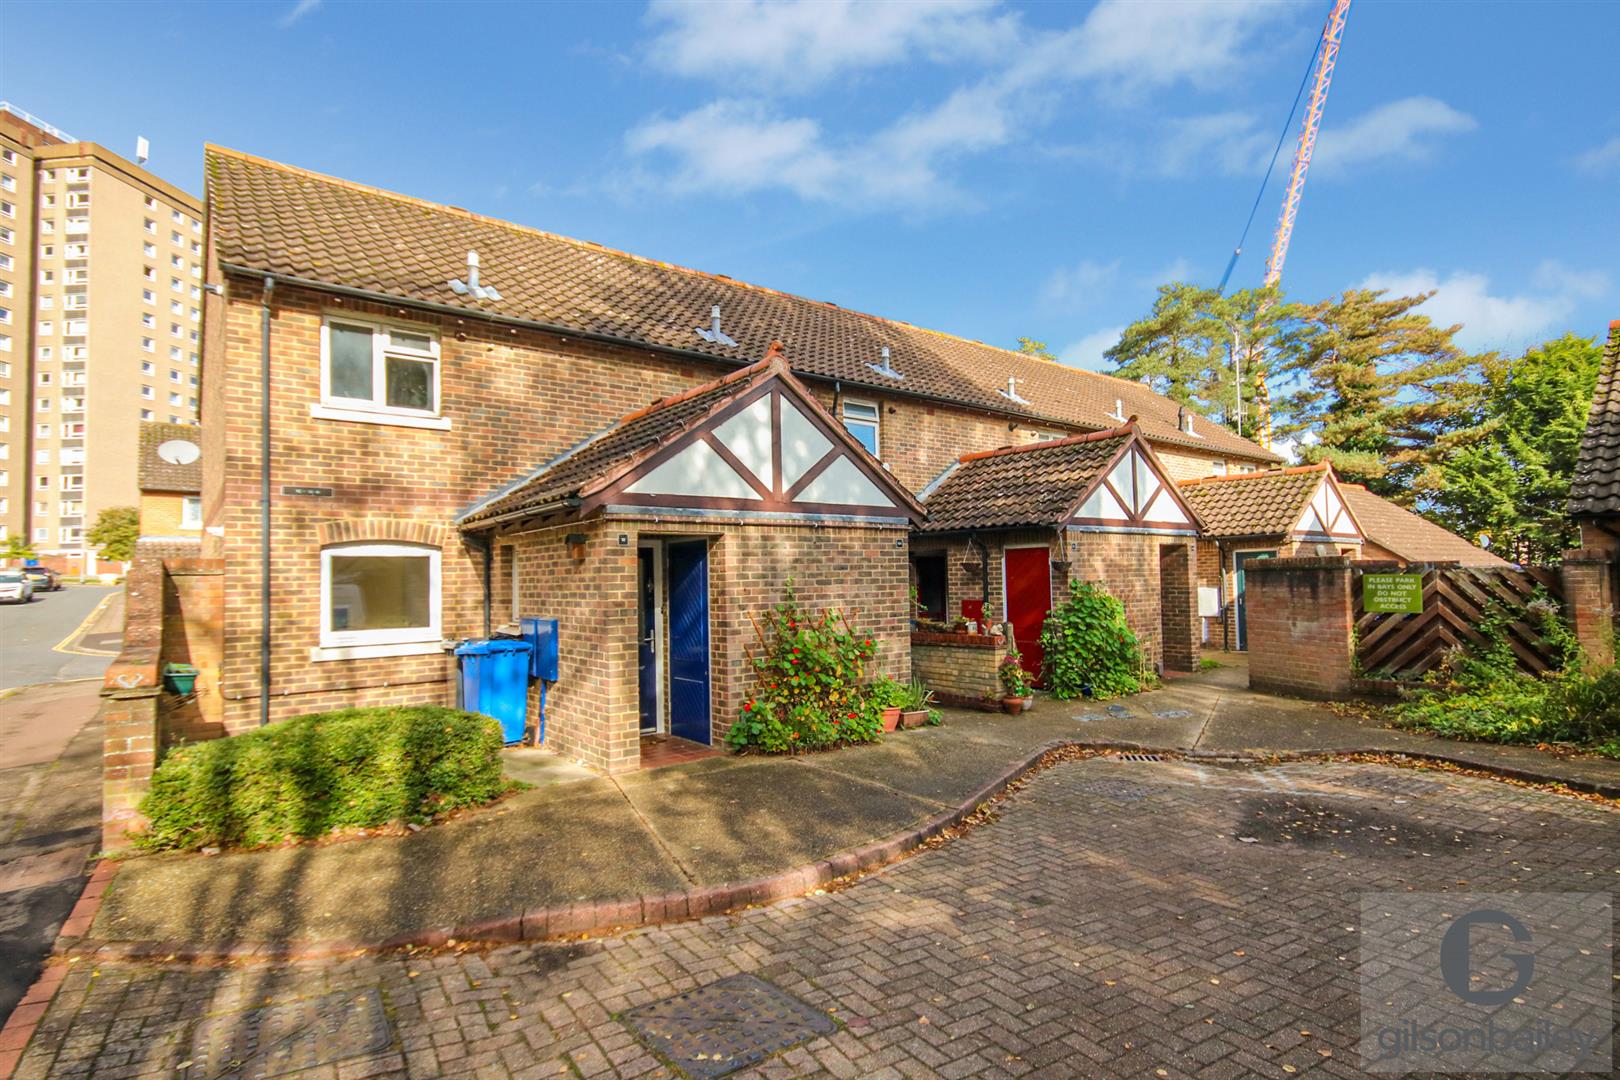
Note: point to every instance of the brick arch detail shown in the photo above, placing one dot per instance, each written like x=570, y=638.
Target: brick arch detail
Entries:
x=395, y=530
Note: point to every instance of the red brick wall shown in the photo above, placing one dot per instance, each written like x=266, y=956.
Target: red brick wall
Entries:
x=1178, y=605
x=593, y=711
x=1589, y=598
x=1301, y=617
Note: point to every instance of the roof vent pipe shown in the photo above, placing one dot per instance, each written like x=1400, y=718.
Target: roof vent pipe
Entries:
x=714, y=335
x=1119, y=411
x=886, y=369
x=1011, y=393
x=470, y=287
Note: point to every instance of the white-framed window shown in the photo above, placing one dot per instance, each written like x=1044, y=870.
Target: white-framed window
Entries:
x=379, y=594
x=41, y=534
x=147, y=368
x=378, y=368
x=146, y=414
x=149, y=250
x=146, y=392
x=148, y=344
x=150, y=226
x=191, y=512
x=7, y=183
x=5, y=261
x=861, y=420
x=149, y=297
x=149, y=320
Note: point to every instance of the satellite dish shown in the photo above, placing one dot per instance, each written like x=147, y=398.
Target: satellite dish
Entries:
x=179, y=451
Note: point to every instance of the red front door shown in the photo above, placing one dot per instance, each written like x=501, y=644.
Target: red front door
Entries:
x=1029, y=598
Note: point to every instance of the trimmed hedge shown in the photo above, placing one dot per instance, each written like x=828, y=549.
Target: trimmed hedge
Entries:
x=306, y=776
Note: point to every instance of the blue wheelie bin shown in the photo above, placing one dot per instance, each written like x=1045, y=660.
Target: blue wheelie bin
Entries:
x=495, y=682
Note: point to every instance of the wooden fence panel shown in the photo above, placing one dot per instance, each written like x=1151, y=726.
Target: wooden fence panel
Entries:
x=1456, y=601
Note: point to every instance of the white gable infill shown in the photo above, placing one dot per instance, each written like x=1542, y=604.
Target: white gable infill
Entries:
x=770, y=452
x=1134, y=495
x=1326, y=517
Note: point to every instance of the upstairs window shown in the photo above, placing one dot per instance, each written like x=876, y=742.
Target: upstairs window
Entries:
x=191, y=512
x=861, y=421
x=379, y=369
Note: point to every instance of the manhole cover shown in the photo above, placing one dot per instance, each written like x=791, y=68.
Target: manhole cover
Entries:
x=1123, y=790
x=1117, y=710
x=725, y=1026
x=275, y=1040
x=1173, y=714
x=1396, y=783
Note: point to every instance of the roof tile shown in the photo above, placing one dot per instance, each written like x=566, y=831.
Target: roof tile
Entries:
x=1595, y=487
x=271, y=218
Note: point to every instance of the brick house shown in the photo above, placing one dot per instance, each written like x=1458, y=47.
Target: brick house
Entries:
x=410, y=392
x=1087, y=507
x=169, y=474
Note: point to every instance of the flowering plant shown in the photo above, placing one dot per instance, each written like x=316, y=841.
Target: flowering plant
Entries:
x=807, y=691
x=1011, y=672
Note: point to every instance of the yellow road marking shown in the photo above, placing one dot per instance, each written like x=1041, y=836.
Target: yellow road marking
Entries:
x=66, y=645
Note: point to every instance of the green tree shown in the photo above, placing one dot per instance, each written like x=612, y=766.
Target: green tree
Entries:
x=1385, y=391
x=1195, y=343
x=115, y=532
x=17, y=547
x=1510, y=477
x=1031, y=347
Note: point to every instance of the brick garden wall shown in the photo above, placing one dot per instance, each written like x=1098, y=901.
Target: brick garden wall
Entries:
x=1301, y=617
x=959, y=672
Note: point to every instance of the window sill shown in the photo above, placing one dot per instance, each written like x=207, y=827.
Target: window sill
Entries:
x=320, y=653
x=363, y=416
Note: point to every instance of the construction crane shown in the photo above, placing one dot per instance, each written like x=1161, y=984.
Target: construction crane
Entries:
x=1319, y=75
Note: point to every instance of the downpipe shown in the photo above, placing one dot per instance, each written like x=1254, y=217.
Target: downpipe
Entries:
x=264, y=501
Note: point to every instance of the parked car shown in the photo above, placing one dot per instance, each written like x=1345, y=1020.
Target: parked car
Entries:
x=15, y=588
x=44, y=578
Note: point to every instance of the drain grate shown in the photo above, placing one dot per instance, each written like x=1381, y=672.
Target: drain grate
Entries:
x=725, y=1026
x=1396, y=783
x=1122, y=790
x=1140, y=757
x=275, y=1040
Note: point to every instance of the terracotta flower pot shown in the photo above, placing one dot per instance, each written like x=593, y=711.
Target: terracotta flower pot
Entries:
x=1012, y=705
x=916, y=718
x=891, y=719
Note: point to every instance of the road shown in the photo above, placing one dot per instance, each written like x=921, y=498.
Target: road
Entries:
x=1112, y=918
x=29, y=634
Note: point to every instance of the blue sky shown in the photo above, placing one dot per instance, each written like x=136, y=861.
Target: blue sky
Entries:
x=992, y=170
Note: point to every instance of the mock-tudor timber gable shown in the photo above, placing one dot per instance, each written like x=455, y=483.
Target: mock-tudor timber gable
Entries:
x=754, y=442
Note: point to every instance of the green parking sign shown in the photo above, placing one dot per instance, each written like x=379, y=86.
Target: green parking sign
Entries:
x=1400, y=593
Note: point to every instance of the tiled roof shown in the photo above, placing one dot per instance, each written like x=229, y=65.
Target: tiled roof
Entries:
x=1595, y=488
x=271, y=218
x=1253, y=504
x=1410, y=536
x=1036, y=485
x=155, y=474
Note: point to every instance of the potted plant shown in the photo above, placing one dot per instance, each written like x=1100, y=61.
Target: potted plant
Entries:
x=1013, y=684
x=887, y=695
x=915, y=703
x=959, y=625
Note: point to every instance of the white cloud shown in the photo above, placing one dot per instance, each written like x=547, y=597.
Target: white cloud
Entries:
x=1073, y=287
x=1228, y=143
x=1405, y=130
x=299, y=10
x=904, y=162
x=1492, y=321
x=1600, y=160
x=1088, y=351
x=798, y=44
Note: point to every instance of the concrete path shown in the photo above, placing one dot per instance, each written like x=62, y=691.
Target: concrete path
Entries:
x=61, y=635
x=1116, y=918
x=50, y=820
x=710, y=822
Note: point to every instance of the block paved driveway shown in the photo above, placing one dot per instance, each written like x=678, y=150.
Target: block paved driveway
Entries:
x=1108, y=922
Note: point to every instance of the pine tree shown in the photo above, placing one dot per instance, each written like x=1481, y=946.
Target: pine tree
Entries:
x=1510, y=477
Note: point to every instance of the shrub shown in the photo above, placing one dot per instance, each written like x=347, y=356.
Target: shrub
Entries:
x=1011, y=673
x=311, y=774
x=1089, y=647
x=1480, y=693
x=808, y=693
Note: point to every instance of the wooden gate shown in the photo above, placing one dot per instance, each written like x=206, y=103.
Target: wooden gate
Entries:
x=1456, y=601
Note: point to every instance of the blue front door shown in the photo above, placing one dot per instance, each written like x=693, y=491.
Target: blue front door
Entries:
x=689, y=640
